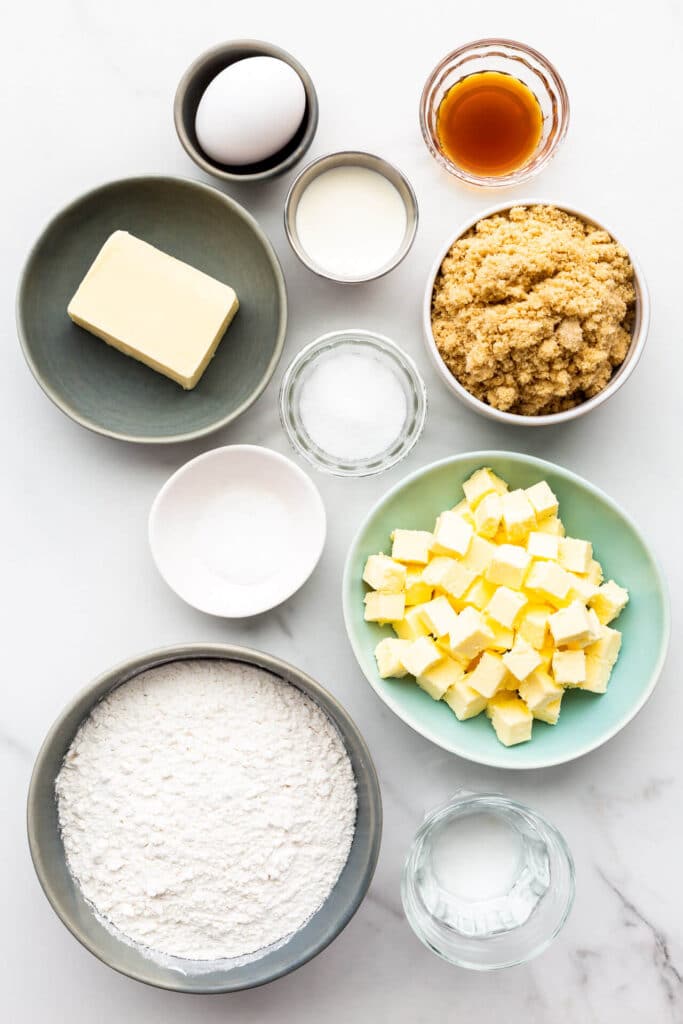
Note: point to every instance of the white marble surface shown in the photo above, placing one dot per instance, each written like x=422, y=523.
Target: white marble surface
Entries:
x=90, y=94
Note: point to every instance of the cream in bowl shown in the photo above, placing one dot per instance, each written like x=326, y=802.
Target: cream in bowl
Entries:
x=351, y=216
x=535, y=313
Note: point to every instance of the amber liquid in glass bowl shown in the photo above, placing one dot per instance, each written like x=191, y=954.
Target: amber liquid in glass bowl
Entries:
x=489, y=123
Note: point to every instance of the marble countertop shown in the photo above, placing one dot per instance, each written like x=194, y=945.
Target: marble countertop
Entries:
x=91, y=88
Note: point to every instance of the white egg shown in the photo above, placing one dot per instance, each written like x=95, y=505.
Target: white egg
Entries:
x=250, y=110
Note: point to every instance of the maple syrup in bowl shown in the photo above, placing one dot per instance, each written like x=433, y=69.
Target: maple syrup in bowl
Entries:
x=494, y=112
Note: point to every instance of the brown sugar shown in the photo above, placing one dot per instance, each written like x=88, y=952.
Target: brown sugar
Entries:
x=532, y=310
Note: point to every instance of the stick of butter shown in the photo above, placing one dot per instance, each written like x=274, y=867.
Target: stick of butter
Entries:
x=154, y=308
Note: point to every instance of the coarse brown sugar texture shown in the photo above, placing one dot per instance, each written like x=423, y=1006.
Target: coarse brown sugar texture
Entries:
x=532, y=310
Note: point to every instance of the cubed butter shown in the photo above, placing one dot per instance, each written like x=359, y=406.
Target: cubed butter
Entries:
x=411, y=626
x=488, y=515
x=417, y=591
x=452, y=535
x=595, y=574
x=505, y=606
x=154, y=308
x=553, y=526
x=489, y=675
x=479, y=593
x=411, y=546
x=470, y=636
x=607, y=646
x=543, y=545
x=575, y=555
x=464, y=511
x=533, y=625
x=569, y=668
x=481, y=483
x=550, y=713
x=511, y=718
x=598, y=673
x=420, y=655
x=539, y=689
x=383, y=573
x=609, y=602
x=438, y=616
x=548, y=580
x=464, y=701
x=381, y=607
x=519, y=518
x=479, y=555
x=388, y=657
x=437, y=679
x=448, y=575
x=503, y=637
x=508, y=566
x=542, y=499
x=522, y=659
x=572, y=625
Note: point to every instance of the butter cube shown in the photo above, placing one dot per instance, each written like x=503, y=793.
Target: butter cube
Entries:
x=411, y=546
x=533, y=625
x=488, y=514
x=470, y=636
x=420, y=655
x=508, y=566
x=381, y=607
x=503, y=637
x=607, y=646
x=522, y=659
x=575, y=555
x=489, y=676
x=505, y=606
x=388, y=656
x=464, y=701
x=479, y=593
x=479, y=555
x=411, y=627
x=448, y=575
x=542, y=499
x=510, y=718
x=609, y=601
x=464, y=511
x=519, y=518
x=569, y=668
x=552, y=526
x=435, y=571
x=548, y=580
x=417, y=591
x=154, y=308
x=538, y=690
x=543, y=545
x=581, y=588
x=594, y=574
x=437, y=679
x=438, y=616
x=550, y=713
x=452, y=535
x=481, y=483
x=383, y=573
x=598, y=673
x=572, y=625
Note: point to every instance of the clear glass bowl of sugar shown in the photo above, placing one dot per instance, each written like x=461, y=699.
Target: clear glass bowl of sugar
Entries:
x=352, y=403
x=488, y=882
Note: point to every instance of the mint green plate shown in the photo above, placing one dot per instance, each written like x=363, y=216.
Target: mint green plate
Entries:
x=587, y=720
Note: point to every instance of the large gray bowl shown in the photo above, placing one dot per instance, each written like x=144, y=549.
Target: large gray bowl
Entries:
x=110, y=393
x=65, y=897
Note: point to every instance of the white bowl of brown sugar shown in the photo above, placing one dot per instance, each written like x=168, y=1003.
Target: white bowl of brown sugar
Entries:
x=535, y=313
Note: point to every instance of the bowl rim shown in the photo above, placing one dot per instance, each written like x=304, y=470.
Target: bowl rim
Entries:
x=23, y=334
x=124, y=671
x=257, y=48
x=486, y=458
x=256, y=452
x=351, y=158
x=622, y=373
x=384, y=344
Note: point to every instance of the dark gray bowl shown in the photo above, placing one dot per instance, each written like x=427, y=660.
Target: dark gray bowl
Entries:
x=68, y=903
x=110, y=393
x=191, y=89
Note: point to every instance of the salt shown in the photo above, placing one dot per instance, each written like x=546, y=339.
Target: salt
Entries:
x=352, y=406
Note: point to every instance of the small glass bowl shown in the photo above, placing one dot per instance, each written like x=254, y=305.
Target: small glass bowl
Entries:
x=485, y=930
x=381, y=349
x=508, y=57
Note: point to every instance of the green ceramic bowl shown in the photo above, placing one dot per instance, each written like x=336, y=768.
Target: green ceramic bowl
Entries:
x=587, y=720
x=110, y=393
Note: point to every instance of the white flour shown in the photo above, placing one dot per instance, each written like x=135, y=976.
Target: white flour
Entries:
x=207, y=809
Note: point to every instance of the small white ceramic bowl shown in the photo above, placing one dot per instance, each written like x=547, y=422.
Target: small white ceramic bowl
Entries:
x=237, y=530
x=639, y=334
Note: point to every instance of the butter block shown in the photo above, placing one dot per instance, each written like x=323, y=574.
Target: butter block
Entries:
x=488, y=515
x=388, y=657
x=522, y=660
x=438, y=616
x=154, y=308
x=519, y=518
x=439, y=677
x=609, y=602
x=543, y=545
x=598, y=673
x=464, y=511
x=489, y=675
x=448, y=575
x=595, y=574
x=572, y=625
x=464, y=701
x=452, y=535
x=417, y=591
x=539, y=689
x=503, y=637
x=549, y=581
x=542, y=499
x=533, y=625
x=508, y=566
x=381, y=607
x=420, y=655
x=510, y=718
x=569, y=668
x=575, y=555
x=607, y=646
x=470, y=636
x=411, y=546
x=479, y=555
x=383, y=573
x=549, y=713
x=553, y=526
x=479, y=593
x=482, y=482
x=505, y=606
x=411, y=626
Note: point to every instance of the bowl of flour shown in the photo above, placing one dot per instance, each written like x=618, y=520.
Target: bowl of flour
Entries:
x=204, y=818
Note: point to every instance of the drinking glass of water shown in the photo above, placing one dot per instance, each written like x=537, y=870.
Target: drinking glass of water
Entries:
x=488, y=882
